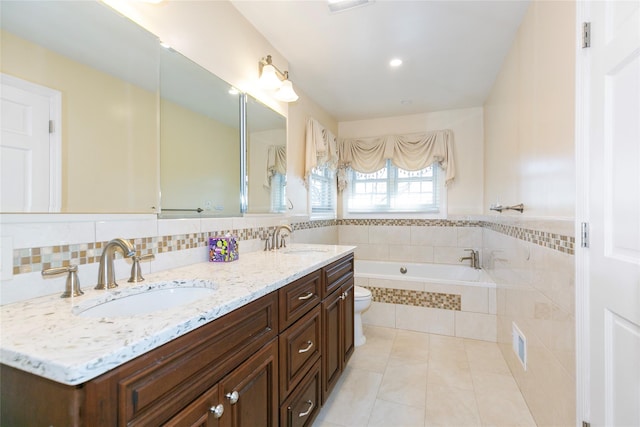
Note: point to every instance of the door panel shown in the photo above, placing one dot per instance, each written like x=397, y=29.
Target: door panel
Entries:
x=611, y=138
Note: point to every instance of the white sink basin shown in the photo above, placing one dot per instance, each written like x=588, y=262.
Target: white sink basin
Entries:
x=302, y=251
x=144, y=302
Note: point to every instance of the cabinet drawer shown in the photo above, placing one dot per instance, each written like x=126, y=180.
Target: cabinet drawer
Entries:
x=298, y=297
x=336, y=273
x=299, y=350
x=185, y=368
x=302, y=407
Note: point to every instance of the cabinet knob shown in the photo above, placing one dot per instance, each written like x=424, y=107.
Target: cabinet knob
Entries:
x=217, y=411
x=233, y=397
x=308, y=411
x=304, y=350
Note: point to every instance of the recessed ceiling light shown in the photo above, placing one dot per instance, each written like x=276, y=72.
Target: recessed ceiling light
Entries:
x=396, y=62
x=340, y=5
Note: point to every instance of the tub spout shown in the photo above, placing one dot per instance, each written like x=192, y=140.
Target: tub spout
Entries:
x=473, y=258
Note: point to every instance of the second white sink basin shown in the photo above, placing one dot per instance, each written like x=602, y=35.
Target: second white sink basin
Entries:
x=144, y=302
x=294, y=251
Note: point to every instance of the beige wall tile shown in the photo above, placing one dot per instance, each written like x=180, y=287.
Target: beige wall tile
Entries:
x=389, y=235
x=476, y=325
x=380, y=314
x=353, y=234
x=424, y=319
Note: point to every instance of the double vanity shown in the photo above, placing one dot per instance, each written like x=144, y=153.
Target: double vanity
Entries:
x=256, y=342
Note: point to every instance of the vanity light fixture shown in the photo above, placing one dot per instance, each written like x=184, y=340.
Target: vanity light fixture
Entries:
x=271, y=78
x=396, y=62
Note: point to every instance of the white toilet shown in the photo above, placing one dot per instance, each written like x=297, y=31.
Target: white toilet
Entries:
x=362, y=301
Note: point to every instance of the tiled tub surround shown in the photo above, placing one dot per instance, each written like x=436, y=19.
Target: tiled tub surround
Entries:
x=44, y=337
x=531, y=262
x=443, y=302
x=536, y=290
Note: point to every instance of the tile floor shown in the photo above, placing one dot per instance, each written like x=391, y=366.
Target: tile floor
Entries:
x=402, y=378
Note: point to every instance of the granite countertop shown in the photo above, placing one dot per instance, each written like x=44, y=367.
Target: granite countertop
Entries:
x=43, y=336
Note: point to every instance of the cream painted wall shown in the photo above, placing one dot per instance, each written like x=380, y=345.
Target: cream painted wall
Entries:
x=110, y=147
x=464, y=195
x=194, y=178
x=529, y=117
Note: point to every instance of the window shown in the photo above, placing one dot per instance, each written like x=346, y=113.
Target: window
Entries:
x=323, y=191
x=278, y=182
x=392, y=189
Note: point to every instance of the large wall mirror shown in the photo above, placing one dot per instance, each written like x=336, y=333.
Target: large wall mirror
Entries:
x=266, y=153
x=199, y=140
x=135, y=128
x=95, y=75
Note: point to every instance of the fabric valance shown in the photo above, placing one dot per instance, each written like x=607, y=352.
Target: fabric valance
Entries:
x=321, y=147
x=276, y=162
x=410, y=152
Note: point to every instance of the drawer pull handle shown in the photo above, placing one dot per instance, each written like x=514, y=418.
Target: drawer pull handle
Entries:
x=233, y=397
x=308, y=411
x=306, y=297
x=304, y=350
x=217, y=411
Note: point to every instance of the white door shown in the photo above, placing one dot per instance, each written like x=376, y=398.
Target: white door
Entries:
x=29, y=152
x=609, y=283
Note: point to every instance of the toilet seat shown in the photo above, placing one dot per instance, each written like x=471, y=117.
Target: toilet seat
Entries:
x=361, y=293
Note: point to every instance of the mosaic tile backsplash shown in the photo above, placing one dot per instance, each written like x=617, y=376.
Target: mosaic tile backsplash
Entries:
x=416, y=298
x=27, y=260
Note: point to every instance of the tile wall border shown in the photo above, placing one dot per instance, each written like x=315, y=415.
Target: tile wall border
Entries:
x=27, y=260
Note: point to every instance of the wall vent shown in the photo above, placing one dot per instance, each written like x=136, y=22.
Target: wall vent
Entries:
x=519, y=344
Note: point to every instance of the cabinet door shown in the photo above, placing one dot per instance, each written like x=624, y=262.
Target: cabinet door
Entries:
x=348, y=340
x=332, y=342
x=205, y=411
x=251, y=391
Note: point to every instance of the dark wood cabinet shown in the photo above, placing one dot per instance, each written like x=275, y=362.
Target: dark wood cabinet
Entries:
x=271, y=362
x=245, y=397
x=337, y=323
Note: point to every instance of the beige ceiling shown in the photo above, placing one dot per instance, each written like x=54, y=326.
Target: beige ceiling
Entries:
x=451, y=51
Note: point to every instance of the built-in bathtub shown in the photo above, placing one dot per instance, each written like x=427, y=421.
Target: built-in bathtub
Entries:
x=446, y=274
x=445, y=299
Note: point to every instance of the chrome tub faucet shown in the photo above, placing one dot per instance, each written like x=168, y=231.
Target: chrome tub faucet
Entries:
x=473, y=257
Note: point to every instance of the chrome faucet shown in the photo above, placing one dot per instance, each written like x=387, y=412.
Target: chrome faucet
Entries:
x=106, y=273
x=473, y=257
x=275, y=244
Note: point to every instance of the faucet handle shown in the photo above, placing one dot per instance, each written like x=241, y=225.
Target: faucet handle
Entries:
x=72, y=287
x=136, y=273
x=267, y=243
x=283, y=243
